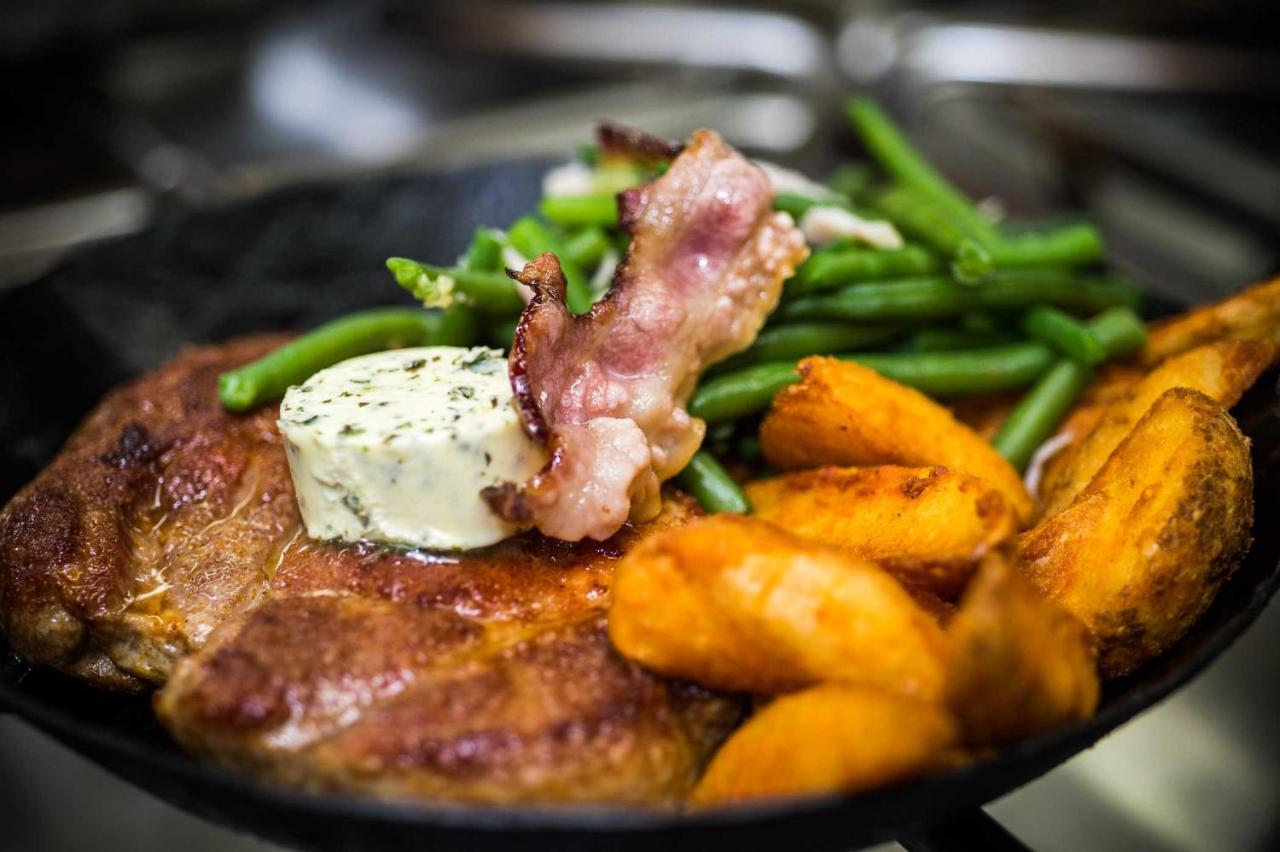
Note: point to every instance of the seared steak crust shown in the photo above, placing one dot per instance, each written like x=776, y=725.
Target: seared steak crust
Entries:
x=154, y=524
x=164, y=544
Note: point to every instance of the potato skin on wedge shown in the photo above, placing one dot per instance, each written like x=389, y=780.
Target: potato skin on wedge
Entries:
x=928, y=526
x=1020, y=664
x=735, y=603
x=1142, y=551
x=827, y=739
x=841, y=413
x=1253, y=314
x=1223, y=371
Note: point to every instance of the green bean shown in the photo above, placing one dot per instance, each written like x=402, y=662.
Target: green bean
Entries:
x=952, y=339
x=485, y=252
x=710, y=483
x=972, y=262
x=790, y=342
x=901, y=159
x=832, y=267
x=937, y=297
x=531, y=238
x=1074, y=245
x=441, y=287
x=1119, y=330
x=978, y=321
x=741, y=392
x=587, y=247
x=485, y=255
x=1064, y=333
x=1038, y=413
x=794, y=203
x=356, y=334
x=797, y=205
x=987, y=370
x=576, y=211
x=614, y=176
x=1022, y=288
x=917, y=217
x=852, y=180
x=904, y=299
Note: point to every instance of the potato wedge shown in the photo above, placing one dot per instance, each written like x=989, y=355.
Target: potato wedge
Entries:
x=826, y=739
x=735, y=603
x=1143, y=550
x=1020, y=664
x=927, y=526
x=1253, y=314
x=1223, y=371
x=841, y=413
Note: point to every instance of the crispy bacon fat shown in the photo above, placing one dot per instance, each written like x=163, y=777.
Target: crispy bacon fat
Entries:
x=605, y=391
x=617, y=141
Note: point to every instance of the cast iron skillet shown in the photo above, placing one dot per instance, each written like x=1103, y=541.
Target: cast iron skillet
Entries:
x=304, y=255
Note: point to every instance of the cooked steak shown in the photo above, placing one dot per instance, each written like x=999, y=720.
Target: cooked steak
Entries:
x=164, y=540
x=161, y=517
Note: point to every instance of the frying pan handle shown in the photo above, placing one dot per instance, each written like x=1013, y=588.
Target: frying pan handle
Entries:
x=974, y=831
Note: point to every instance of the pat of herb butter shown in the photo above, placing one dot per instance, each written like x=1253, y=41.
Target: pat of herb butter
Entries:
x=394, y=447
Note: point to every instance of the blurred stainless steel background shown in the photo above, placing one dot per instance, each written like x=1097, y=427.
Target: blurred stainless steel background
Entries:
x=1159, y=119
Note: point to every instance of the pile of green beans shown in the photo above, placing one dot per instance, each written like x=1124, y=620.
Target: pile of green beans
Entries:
x=929, y=298
x=989, y=369
x=927, y=207
x=950, y=373
x=962, y=307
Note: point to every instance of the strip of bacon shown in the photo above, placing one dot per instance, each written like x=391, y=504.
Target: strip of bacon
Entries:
x=605, y=391
x=628, y=143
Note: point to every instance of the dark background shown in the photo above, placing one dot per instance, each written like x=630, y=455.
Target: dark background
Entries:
x=1159, y=119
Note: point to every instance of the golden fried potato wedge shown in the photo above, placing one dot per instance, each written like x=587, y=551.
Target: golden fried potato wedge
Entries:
x=1020, y=664
x=735, y=603
x=841, y=413
x=928, y=526
x=1223, y=371
x=1253, y=314
x=1143, y=550
x=826, y=739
